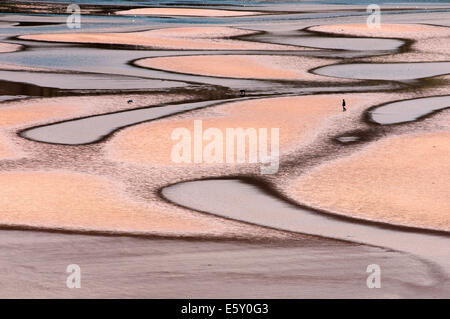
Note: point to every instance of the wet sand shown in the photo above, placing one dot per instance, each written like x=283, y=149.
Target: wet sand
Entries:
x=187, y=12
x=409, y=187
x=186, y=38
x=230, y=66
x=251, y=202
x=79, y=202
x=408, y=110
x=406, y=31
x=386, y=71
x=124, y=267
x=298, y=118
x=9, y=47
x=113, y=186
x=429, y=41
x=17, y=115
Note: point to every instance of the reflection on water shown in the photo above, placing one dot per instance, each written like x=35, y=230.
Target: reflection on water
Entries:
x=91, y=129
x=323, y=42
x=239, y=200
x=85, y=81
x=408, y=110
x=385, y=71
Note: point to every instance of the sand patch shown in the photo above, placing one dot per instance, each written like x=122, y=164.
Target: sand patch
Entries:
x=9, y=47
x=298, y=119
x=401, y=180
x=188, y=38
x=13, y=67
x=6, y=150
x=240, y=66
x=20, y=114
x=187, y=12
x=66, y=200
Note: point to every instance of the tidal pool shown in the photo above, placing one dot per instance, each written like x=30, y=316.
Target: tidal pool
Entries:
x=90, y=129
x=385, y=71
x=339, y=43
x=240, y=200
x=408, y=110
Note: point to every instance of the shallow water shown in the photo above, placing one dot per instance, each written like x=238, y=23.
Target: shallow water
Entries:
x=86, y=81
x=324, y=42
x=408, y=110
x=91, y=129
x=235, y=199
x=164, y=268
x=385, y=71
x=348, y=139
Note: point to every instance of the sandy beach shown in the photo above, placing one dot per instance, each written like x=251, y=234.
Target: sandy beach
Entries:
x=187, y=12
x=87, y=122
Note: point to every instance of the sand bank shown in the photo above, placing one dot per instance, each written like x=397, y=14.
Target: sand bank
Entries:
x=184, y=38
x=187, y=12
x=9, y=47
x=17, y=115
x=386, y=30
x=7, y=151
x=298, y=118
x=241, y=66
x=409, y=187
x=67, y=200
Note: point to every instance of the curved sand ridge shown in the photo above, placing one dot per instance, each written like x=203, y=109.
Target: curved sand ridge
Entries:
x=409, y=187
x=57, y=199
x=431, y=42
x=385, y=71
x=298, y=118
x=10, y=47
x=187, y=12
x=74, y=201
x=15, y=115
x=279, y=67
x=184, y=38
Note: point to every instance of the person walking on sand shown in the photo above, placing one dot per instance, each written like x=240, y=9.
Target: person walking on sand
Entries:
x=343, y=106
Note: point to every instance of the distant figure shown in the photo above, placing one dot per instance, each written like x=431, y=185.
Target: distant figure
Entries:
x=343, y=106
x=242, y=93
x=130, y=101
